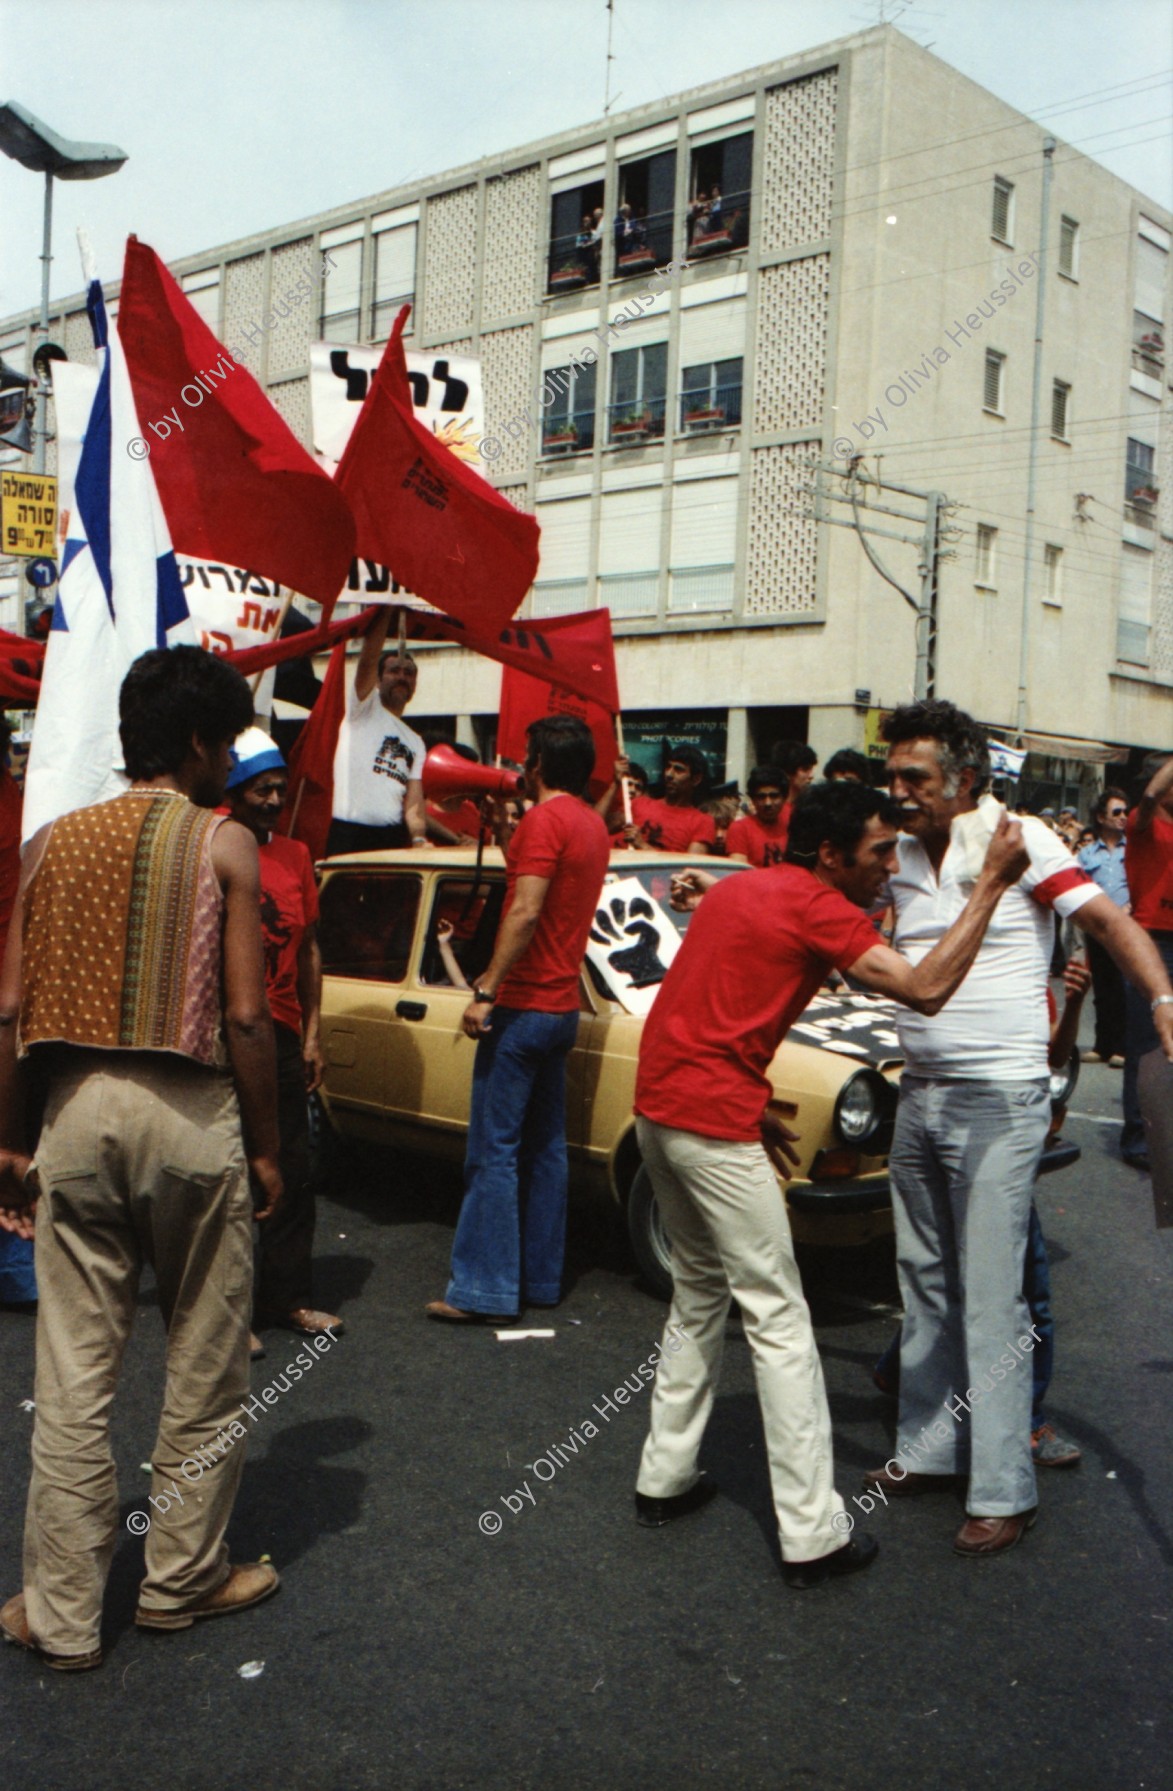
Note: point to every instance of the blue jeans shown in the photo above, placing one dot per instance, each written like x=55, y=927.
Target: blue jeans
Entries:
x=17, y=1280
x=1036, y=1285
x=511, y=1234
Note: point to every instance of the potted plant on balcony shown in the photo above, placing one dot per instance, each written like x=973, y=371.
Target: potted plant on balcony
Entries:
x=1144, y=497
x=566, y=278
x=632, y=426
x=699, y=415
x=560, y=438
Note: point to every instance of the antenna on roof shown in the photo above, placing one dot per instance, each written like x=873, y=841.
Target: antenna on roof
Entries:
x=610, y=57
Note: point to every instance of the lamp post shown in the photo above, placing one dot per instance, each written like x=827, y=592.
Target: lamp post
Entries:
x=35, y=146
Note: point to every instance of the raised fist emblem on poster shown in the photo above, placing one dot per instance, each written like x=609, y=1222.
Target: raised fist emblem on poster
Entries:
x=635, y=921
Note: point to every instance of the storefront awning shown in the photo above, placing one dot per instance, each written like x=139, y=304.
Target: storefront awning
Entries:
x=1088, y=752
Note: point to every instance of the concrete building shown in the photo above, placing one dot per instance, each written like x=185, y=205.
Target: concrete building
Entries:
x=856, y=234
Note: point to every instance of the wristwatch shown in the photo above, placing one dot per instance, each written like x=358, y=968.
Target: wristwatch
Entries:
x=1161, y=1001
x=483, y=995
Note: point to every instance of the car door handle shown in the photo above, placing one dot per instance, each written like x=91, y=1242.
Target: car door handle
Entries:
x=411, y=1010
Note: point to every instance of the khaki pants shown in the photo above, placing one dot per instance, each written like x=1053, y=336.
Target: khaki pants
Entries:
x=726, y=1217
x=140, y=1159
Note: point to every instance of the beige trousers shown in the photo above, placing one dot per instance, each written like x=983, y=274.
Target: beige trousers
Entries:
x=726, y=1218
x=140, y=1159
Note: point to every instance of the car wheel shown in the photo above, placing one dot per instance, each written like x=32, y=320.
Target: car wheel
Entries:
x=649, y=1240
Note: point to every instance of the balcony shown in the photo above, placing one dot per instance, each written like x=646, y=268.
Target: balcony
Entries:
x=642, y=243
x=717, y=224
x=705, y=412
x=563, y=436
x=635, y=422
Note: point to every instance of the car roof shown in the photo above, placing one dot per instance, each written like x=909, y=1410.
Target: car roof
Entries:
x=465, y=858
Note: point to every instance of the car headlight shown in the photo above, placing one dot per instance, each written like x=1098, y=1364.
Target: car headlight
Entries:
x=863, y=1109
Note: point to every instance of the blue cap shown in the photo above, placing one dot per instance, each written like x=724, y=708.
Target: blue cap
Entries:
x=253, y=752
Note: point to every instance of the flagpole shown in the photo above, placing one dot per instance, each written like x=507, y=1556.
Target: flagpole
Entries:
x=624, y=786
x=254, y=682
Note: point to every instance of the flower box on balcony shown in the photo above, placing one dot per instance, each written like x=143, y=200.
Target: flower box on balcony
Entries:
x=1144, y=497
x=636, y=261
x=567, y=279
x=632, y=429
x=710, y=416
x=714, y=242
x=560, y=441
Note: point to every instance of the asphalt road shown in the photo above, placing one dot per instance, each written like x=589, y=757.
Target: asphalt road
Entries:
x=574, y=1649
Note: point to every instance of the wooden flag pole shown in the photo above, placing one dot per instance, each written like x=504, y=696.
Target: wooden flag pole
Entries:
x=254, y=682
x=624, y=786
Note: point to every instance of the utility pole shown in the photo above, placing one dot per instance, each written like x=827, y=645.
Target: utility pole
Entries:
x=1032, y=474
x=832, y=485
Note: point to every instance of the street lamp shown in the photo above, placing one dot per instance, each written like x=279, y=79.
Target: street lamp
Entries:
x=36, y=147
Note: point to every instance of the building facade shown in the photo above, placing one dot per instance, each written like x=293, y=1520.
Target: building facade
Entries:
x=854, y=243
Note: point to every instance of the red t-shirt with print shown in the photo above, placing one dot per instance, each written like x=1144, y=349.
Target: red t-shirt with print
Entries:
x=750, y=838
x=669, y=829
x=1148, y=862
x=289, y=904
x=565, y=841
x=755, y=952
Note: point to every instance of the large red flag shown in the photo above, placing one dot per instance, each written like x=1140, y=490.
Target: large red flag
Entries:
x=441, y=528
x=235, y=483
x=311, y=763
x=525, y=699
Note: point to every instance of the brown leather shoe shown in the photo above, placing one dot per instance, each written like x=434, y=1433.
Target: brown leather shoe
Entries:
x=244, y=1586
x=993, y=1535
x=904, y=1487
x=445, y=1314
x=14, y=1627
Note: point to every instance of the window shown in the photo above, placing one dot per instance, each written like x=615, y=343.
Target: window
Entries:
x=717, y=220
x=1152, y=262
x=987, y=548
x=341, y=314
x=703, y=546
x=629, y=551
x=710, y=396
x=1059, y=396
x=638, y=395
x=474, y=915
x=643, y=222
x=1139, y=489
x=568, y=424
x=368, y=925
x=1002, y=220
x=577, y=226
x=1053, y=566
x=394, y=277
x=992, y=389
x=1068, y=247
x=1134, y=617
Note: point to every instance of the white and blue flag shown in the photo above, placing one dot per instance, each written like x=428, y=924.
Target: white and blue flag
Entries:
x=120, y=594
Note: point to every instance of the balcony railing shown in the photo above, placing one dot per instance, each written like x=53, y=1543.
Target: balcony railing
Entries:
x=703, y=412
x=568, y=435
x=574, y=262
x=636, y=421
x=642, y=244
x=717, y=227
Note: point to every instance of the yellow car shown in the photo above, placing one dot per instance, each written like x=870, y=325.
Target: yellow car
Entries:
x=399, y=1068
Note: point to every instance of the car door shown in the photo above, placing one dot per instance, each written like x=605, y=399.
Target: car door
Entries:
x=367, y=931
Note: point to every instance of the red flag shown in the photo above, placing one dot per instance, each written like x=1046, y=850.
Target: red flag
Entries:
x=525, y=699
x=235, y=483
x=311, y=763
x=441, y=528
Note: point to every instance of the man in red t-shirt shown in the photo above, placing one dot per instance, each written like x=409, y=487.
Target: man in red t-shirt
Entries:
x=256, y=791
x=511, y=1234
x=756, y=951
x=1148, y=864
x=760, y=838
x=673, y=823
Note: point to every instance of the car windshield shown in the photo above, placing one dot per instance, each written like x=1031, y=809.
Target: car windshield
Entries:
x=637, y=932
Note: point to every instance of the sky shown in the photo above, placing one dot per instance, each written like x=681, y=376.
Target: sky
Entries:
x=245, y=115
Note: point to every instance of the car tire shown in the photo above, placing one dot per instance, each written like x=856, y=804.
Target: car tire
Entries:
x=648, y=1239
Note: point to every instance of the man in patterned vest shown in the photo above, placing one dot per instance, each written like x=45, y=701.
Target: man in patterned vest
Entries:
x=134, y=983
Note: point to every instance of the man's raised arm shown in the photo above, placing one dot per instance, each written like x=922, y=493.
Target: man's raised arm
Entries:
x=927, y=986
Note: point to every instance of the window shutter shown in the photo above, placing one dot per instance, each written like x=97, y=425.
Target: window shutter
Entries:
x=992, y=398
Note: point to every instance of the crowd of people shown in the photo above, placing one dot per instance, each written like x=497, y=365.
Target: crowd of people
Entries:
x=159, y=1011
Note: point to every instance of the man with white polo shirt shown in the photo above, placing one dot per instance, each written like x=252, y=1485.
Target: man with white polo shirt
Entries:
x=973, y=1116
x=378, y=762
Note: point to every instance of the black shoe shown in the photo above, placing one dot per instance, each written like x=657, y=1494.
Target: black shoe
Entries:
x=652, y=1513
x=853, y=1557
x=1137, y=1159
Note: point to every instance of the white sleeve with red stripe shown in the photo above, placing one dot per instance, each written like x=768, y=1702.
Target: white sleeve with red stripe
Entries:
x=1053, y=878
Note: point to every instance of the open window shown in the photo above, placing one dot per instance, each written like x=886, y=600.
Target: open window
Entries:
x=458, y=959
x=710, y=396
x=367, y=924
x=568, y=425
x=577, y=226
x=717, y=220
x=638, y=395
x=643, y=221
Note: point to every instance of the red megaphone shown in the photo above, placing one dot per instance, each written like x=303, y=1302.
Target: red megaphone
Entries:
x=446, y=773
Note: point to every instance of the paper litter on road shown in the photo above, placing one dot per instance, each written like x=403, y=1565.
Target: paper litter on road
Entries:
x=517, y=1336
x=28, y=1405
x=252, y=1669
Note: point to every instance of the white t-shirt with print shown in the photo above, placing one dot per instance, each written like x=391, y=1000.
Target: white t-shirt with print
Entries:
x=994, y=1028
x=376, y=756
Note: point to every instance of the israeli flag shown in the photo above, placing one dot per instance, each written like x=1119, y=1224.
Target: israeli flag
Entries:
x=119, y=595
